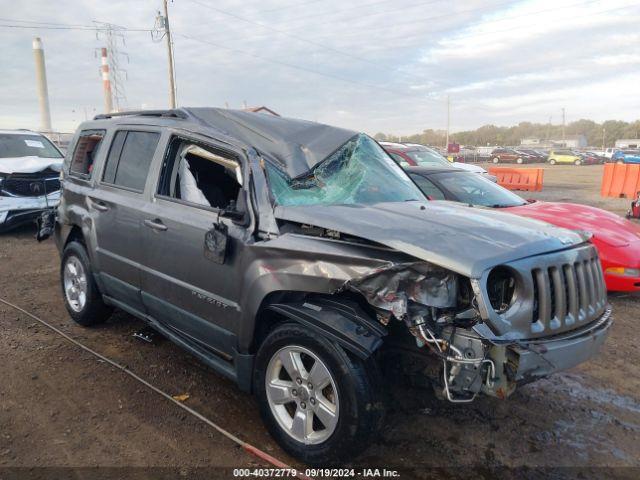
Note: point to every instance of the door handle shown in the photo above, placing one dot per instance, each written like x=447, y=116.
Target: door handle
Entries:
x=99, y=205
x=156, y=225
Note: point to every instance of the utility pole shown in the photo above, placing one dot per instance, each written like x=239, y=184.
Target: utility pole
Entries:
x=41, y=81
x=167, y=34
x=448, y=122
x=604, y=130
x=563, y=120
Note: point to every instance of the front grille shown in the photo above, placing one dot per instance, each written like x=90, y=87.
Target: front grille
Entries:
x=567, y=295
x=25, y=185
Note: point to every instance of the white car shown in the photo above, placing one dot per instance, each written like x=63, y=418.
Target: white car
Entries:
x=414, y=154
x=29, y=176
x=610, y=151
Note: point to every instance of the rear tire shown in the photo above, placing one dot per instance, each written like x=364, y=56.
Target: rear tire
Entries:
x=552, y=161
x=577, y=162
x=519, y=160
x=324, y=425
x=79, y=290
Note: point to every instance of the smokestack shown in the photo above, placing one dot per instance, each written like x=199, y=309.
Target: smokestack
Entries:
x=106, y=83
x=41, y=81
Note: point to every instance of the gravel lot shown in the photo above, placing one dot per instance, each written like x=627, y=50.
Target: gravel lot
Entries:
x=60, y=407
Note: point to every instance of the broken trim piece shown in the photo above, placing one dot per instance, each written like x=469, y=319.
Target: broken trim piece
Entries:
x=397, y=288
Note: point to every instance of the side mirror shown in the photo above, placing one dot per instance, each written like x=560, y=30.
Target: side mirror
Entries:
x=215, y=243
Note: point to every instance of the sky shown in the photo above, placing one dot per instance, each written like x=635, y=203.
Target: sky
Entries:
x=369, y=65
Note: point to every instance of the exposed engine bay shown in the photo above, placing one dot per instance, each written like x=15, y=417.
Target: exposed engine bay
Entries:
x=441, y=311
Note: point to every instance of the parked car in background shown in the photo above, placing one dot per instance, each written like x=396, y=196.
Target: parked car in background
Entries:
x=597, y=156
x=413, y=154
x=484, y=153
x=617, y=239
x=509, y=155
x=29, y=177
x=300, y=261
x=533, y=155
x=608, y=152
x=626, y=156
x=588, y=158
x=564, y=157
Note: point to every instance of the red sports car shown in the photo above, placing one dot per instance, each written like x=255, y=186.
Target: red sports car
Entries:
x=617, y=239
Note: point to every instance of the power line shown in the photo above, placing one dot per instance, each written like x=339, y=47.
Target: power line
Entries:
x=360, y=15
x=591, y=14
x=281, y=32
x=363, y=14
x=501, y=19
x=286, y=7
x=81, y=28
x=301, y=68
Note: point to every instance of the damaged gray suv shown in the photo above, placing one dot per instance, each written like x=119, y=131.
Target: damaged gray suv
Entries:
x=300, y=261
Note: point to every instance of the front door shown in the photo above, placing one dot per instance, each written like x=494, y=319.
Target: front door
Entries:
x=189, y=283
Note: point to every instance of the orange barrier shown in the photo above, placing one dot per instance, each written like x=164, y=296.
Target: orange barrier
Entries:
x=620, y=180
x=529, y=179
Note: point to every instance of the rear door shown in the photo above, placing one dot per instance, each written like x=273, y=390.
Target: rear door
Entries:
x=116, y=205
x=186, y=286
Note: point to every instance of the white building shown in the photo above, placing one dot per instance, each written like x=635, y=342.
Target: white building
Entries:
x=628, y=143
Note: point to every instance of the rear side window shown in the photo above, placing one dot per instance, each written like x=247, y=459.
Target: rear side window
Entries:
x=85, y=152
x=129, y=159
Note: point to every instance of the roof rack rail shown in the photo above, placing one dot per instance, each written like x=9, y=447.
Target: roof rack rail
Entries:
x=143, y=113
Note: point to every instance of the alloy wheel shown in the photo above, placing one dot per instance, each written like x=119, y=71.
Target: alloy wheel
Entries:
x=302, y=395
x=75, y=283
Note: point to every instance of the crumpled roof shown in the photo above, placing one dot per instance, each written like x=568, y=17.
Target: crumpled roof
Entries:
x=295, y=145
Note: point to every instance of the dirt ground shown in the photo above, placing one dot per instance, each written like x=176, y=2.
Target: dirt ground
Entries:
x=61, y=407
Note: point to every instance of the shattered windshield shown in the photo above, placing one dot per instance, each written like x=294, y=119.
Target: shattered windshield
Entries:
x=360, y=172
x=20, y=145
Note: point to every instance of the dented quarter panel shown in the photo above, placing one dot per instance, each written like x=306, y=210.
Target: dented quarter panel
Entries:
x=301, y=263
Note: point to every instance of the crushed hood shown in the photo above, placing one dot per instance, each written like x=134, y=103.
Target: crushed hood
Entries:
x=295, y=145
x=31, y=164
x=467, y=240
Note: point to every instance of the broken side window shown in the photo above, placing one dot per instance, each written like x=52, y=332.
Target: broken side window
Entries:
x=85, y=152
x=359, y=172
x=200, y=175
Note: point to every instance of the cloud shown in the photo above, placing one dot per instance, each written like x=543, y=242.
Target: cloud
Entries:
x=372, y=66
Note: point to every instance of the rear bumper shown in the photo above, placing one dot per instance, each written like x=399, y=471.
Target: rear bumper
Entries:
x=540, y=358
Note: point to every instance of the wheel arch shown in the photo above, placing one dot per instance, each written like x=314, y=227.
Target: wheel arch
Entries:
x=341, y=318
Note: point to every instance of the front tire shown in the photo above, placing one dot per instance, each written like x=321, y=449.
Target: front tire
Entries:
x=320, y=404
x=577, y=163
x=495, y=160
x=519, y=160
x=552, y=161
x=79, y=290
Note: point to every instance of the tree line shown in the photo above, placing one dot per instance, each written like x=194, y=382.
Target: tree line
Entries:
x=609, y=131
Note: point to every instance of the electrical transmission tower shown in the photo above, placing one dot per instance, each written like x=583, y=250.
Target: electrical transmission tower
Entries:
x=114, y=38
